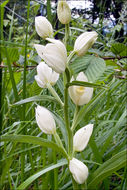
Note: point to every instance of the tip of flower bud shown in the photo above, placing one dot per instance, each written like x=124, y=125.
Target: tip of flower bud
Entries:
x=63, y=12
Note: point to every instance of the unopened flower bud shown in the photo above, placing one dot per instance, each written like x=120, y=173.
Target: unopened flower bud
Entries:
x=79, y=94
x=43, y=27
x=45, y=120
x=54, y=54
x=45, y=75
x=81, y=138
x=63, y=12
x=79, y=170
x=84, y=42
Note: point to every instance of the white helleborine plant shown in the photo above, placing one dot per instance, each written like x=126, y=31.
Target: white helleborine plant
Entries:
x=79, y=94
x=43, y=27
x=54, y=54
x=63, y=12
x=79, y=170
x=81, y=138
x=45, y=120
x=45, y=75
x=84, y=42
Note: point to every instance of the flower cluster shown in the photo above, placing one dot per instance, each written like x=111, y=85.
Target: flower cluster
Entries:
x=55, y=62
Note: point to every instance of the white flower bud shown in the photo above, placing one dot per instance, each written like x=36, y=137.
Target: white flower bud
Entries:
x=81, y=138
x=54, y=54
x=79, y=170
x=63, y=12
x=45, y=75
x=84, y=42
x=43, y=27
x=45, y=120
x=79, y=94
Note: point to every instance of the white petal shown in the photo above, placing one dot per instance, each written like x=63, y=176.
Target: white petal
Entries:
x=40, y=49
x=45, y=120
x=79, y=170
x=81, y=137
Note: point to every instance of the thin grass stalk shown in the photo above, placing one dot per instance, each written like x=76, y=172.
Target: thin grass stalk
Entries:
x=1, y=39
x=24, y=91
x=49, y=16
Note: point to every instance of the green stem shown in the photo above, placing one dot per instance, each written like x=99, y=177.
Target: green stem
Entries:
x=55, y=171
x=66, y=117
x=70, y=57
x=74, y=119
x=59, y=143
x=74, y=184
x=67, y=32
x=54, y=93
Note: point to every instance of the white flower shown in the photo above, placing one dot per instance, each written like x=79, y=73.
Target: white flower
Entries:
x=63, y=12
x=45, y=75
x=79, y=170
x=54, y=54
x=45, y=120
x=80, y=94
x=43, y=27
x=81, y=138
x=84, y=42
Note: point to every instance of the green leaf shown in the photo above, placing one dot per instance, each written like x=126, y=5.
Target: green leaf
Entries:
x=93, y=66
x=113, y=131
x=35, y=99
x=13, y=54
x=95, y=69
x=86, y=84
x=107, y=168
x=119, y=49
x=4, y=3
x=40, y=173
x=81, y=63
x=85, y=109
x=33, y=140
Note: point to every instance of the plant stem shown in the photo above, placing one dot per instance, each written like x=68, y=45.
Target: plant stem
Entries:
x=59, y=142
x=70, y=57
x=67, y=31
x=75, y=114
x=75, y=185
x=54, y=93
x=66, y=117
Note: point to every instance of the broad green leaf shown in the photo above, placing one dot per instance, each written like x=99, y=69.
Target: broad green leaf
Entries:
x=93, y=66
x=119, y=49
x=33, y=140
x=95, y=69
x=40, y=173
x=107, y=168
x=35, y=99
x=81, y=63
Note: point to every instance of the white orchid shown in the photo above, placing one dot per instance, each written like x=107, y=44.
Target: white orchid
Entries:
x=79, y=94
x=45, y=75
x=84, y=42
x=81, y=138
x=54, y=54
x=43, y=27
x=45, y=120
x=63, y=12
x=79, y=170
